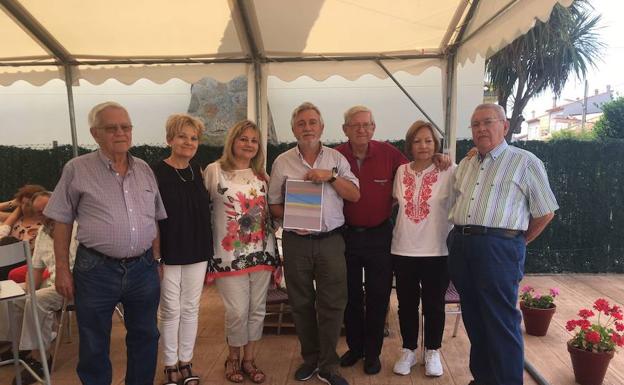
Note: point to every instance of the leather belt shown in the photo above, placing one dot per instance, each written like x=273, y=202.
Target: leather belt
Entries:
x=337, y=230
x=109, y=258
x=482, y=230
x=363, y=229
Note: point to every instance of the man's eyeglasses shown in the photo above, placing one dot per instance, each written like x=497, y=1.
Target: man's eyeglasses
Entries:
x=487, y=123
x=365, y=126
x=112, y=128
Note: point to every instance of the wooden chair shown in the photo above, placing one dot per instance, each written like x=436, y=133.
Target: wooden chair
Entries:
x=277, y=299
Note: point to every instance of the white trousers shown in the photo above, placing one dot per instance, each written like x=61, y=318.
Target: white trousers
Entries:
x=180, y=291
x=244, y=297
x=48, y=301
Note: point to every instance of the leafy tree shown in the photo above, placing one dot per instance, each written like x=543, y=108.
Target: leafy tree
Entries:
x=611, y=123
x=573, y=135
x=544, y=57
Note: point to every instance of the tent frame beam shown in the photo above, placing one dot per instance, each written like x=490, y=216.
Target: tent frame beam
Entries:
x=414, y=102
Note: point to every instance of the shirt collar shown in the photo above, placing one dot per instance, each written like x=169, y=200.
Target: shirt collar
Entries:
x=495, y=152
x=109, y=163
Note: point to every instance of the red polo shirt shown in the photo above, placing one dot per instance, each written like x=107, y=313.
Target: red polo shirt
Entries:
x=376, y=176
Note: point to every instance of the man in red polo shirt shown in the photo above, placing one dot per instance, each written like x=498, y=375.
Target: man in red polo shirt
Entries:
x=367, y=237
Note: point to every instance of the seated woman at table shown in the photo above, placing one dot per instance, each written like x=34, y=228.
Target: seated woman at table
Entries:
x=23, y=223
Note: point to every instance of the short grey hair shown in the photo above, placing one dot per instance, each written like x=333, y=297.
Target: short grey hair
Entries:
x=304, y=107
x=357, y=109
x=500, y=111
x=94, y=114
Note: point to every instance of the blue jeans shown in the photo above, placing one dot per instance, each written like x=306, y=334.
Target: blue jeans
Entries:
x=99, y=285
x=486, y=270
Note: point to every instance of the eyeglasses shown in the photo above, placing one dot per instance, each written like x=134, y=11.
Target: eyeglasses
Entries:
x=365, y=126
x=112, y=128
x=487, y=123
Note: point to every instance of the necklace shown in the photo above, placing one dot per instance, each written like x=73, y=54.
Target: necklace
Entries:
x=180, y=175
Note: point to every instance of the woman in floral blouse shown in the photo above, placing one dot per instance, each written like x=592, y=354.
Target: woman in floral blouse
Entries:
x=244, y=244
x=419, y=249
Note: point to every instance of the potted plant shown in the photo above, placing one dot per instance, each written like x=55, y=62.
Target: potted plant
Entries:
x=594, y=342
x=537, y=310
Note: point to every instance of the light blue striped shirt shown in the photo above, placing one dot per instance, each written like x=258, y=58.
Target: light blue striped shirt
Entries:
x=503, y=189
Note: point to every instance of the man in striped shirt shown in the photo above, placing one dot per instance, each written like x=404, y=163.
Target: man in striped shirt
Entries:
x=503, y=201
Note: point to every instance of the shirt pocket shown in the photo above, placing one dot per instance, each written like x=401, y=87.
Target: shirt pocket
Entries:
x=147, y=203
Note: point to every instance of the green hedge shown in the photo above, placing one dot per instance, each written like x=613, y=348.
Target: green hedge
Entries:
x=587, y=178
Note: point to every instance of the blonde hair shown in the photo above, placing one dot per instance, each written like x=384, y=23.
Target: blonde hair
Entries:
x=227, y=159
x=304, y=107
x=176, y=122
x=356, y=109
x=94, y=114
x=411, y=133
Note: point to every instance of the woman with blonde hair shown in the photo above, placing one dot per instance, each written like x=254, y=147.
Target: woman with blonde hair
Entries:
x=244, y=245
x=185, y=246
x=419, y=251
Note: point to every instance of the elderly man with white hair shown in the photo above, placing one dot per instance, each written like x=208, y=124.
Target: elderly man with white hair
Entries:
x=115, y=200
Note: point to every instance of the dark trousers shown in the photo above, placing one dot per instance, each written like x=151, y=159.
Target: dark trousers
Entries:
x=100, y=284
x=365, y=315
x=487, y=269
x=417, y=277
x=317, y=312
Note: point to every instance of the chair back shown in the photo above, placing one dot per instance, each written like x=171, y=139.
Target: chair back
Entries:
x=13, y=253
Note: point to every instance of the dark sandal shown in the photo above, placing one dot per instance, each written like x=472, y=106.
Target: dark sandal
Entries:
x=256, y=375
x=233, y=371
x=168, y=373
x=187, y=379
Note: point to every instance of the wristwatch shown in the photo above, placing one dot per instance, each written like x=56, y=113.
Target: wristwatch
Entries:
x=333, y=175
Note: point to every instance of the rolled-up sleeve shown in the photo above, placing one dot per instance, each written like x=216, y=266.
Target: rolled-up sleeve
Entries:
x=276, y=183
x=344, y=170
x=541, y=198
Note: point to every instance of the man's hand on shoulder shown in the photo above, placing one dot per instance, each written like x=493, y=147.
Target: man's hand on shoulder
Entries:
x=442, y=161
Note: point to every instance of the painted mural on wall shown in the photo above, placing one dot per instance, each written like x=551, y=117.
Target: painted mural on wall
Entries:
x=221, y=105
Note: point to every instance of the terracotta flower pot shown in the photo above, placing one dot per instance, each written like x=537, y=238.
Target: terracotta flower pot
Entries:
x=589, y=367
x=536, y=321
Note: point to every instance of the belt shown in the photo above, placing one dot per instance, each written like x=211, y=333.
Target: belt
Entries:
x=482, y=230
x=358, y=229
x=109, y=258
x=337, y=230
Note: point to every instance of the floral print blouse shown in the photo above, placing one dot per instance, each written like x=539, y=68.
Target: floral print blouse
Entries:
x=243, y=234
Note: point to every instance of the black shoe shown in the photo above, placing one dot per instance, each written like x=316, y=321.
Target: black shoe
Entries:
x=27, y=377
x=372, y=365
x=350, y=358
x=305, y=372
x=332, y=378
x=8, y=355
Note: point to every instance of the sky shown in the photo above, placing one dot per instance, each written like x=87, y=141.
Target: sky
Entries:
x=35, y=116
x=607, y=72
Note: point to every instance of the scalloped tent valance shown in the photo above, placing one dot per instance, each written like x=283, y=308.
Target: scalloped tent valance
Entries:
x=160, y=40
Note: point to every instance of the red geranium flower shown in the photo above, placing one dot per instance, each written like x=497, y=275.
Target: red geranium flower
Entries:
x=604, y=334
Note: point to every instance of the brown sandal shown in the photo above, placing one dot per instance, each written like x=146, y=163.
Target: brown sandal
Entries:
x=233, y=370
x=256, y=375
x=169, y=374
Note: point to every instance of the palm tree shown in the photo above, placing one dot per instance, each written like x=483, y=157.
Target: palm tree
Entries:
x=544, y=57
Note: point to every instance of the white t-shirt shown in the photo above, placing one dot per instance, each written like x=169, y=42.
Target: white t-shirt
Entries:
x=424, y=202
x=43, y=254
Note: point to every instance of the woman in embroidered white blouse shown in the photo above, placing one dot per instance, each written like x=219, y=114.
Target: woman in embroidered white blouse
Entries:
x=419, y=249
x=244, y=245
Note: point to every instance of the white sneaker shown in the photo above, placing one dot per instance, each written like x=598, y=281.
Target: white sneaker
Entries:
x=404, y=365
x=433, y=366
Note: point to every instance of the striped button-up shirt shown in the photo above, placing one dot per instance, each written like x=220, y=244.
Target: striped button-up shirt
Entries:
x=503, y=189
x=116, y=214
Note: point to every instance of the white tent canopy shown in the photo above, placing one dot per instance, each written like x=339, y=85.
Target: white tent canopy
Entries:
x=190, y=39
